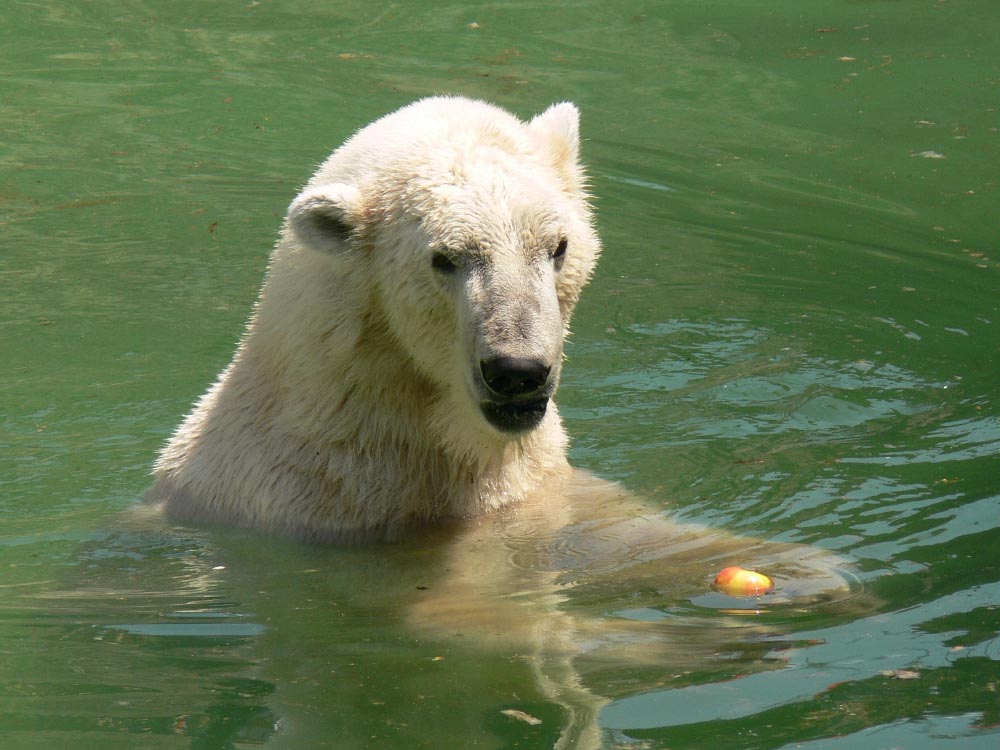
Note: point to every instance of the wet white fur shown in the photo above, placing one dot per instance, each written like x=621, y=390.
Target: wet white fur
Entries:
x=350, y=408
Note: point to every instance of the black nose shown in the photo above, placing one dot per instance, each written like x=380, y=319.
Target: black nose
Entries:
x=514, y=377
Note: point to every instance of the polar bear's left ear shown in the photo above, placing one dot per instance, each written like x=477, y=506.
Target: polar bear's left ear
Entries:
x=559, y=125
x=324, y=217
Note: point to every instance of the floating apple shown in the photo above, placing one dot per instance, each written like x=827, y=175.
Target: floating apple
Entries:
x=737, y=581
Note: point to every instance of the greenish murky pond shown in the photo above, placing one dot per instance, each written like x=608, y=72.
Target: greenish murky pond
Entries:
x=794, y=334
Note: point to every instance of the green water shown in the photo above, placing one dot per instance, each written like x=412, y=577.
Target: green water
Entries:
x=794, y=333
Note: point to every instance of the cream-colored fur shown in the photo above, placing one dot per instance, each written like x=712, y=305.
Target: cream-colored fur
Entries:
x=351, y=408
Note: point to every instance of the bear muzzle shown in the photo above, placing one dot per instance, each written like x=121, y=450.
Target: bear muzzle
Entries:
x=517, y=392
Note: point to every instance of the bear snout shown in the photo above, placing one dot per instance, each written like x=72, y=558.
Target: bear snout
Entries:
x=518, y=391
x=514, y=378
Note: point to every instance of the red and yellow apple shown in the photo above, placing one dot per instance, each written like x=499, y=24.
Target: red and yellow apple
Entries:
x=737, y=581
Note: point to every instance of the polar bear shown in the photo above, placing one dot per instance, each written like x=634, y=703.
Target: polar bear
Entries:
x=400, y=363
x=398, y=372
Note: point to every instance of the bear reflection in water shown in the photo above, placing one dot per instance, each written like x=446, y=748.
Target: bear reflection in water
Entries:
x=397, y=376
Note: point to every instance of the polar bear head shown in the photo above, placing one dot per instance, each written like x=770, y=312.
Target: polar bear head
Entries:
x=471, y=231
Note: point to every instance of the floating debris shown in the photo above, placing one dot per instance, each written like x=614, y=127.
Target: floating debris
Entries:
x=521, y=716
x=901, y=674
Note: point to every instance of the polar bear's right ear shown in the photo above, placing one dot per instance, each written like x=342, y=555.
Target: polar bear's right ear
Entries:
x=324, y=217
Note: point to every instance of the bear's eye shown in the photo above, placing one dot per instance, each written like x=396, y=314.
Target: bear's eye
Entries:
x=443, y=264
x=559, y=254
